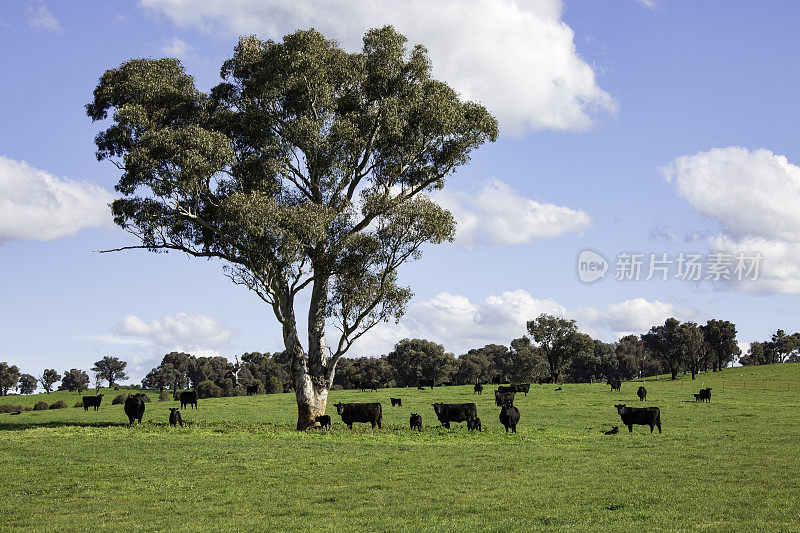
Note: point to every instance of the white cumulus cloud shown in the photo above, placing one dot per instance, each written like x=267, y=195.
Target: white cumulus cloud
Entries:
x=755, y=197
x=42, y=18
x=175, y=48
x=499, y=216
x=516, y=57
x=634, y=316
x=37, y=205
x=195, y=333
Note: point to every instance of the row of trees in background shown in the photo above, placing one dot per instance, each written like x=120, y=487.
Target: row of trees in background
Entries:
x=781, y=348
x=109, y=368
x=554, y=351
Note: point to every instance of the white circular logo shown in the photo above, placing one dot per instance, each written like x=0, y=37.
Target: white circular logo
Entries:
x=591, y=266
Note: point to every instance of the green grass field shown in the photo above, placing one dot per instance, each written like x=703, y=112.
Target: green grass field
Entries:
x=732, y=464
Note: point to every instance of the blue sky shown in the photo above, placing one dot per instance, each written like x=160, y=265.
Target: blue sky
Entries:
x=647, y=126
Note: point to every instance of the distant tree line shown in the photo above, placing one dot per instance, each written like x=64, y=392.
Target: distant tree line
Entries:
x=553, y=351
x=781, y=348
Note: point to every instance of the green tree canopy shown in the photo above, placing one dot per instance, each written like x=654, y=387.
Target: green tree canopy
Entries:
x=306, y=168
x=74, y=380
x=9, y=376
x=420, y=359
x=556, y=339
x=110, y=368
x=48, y=378
x=27, y=384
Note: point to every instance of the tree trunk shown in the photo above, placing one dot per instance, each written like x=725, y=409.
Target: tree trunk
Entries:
x=311, y=400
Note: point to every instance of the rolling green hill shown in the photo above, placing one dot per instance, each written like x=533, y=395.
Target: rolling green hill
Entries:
x=731, y=464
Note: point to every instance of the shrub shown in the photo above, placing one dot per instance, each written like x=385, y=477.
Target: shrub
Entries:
x=11, y=408
x=41, y=406
x=79, y=404
x=337, y=387
x=146, y=398
x=60, y=404
x=208, y=389
x=274, y=385
x=164, y=396
x=119, y=399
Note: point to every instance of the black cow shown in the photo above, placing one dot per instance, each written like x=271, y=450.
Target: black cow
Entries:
x=474, y=423
x=696, y=397
x=522, y=387
x=509, y=417
x=360, y=412
x=92, y=401
x=175, y=417
x=642, y=416
x=506, y=388
x=415, y=421
x=612, y=431
x=425, y=383
x=189, y=397
x=134, y=407
x=503, y=397
x=705, y=395
x=252, y=389
x=478, y=388
x=454, y=412
x=324, y=421
x=397, y=402
x=559, y=389
x=369, y=385
x=615, y=384
x=642, y=393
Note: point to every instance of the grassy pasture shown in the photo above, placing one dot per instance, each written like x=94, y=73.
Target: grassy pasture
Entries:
x=732, y=464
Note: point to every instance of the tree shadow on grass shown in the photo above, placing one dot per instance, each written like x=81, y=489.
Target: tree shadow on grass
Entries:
x=59, y=424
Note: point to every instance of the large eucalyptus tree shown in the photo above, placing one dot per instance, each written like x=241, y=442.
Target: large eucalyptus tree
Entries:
x=306, y=168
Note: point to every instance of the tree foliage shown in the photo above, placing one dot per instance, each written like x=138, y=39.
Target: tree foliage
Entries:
x=9, y=376
x=48, y=378
x=111, y=369
x=74, y=380
x=27, y=384
x=556, y=338
x=420, y=359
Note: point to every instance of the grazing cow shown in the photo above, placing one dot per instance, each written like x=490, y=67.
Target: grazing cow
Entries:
x=705, y=395
x=175, y=417
x=642, y=416
x=522, y=387
x=559, y=388
x=454, y=412
x=478, y=388
x=615, y=384
x=134, y=407
x=503, y=397
x=252, y=389
x=509, y=417
x=425, y=383
x=696, y=397
x=360, y=412
x=474, y=423
x=92, y=401
x=324, y=421
x=612, y=431
x=415, y=421
x=189, y=397
x=641, y=393
x=397, y=402
x=369, y=385
x=506, y=388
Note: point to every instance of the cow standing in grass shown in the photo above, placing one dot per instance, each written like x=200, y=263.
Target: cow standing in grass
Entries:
x=615, y=384
x=189, y=397
x=134, y=407
x=509, y=417
x=454, y=412
x=642, y=393
x=478, y=388
x=415, y=421
x=360, y=412
x=642, y=416
x=92, y=401
x=175, y=417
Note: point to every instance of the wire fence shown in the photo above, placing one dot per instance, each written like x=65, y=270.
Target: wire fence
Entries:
x=760, y=385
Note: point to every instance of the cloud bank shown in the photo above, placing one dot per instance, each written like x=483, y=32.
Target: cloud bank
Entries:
x=518, y=58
